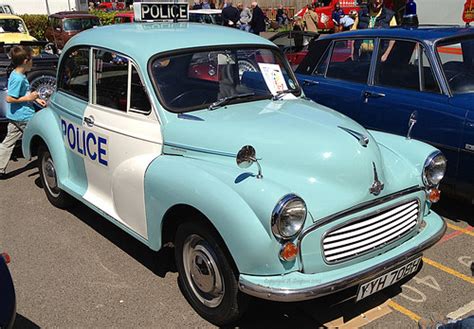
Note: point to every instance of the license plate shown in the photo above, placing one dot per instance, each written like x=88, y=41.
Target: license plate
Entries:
x=387, y=279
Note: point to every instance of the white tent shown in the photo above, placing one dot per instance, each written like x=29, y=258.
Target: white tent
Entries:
x=440, y=11
x=40, y=6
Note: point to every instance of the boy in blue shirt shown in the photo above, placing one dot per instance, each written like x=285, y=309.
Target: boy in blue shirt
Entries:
x=21, y=109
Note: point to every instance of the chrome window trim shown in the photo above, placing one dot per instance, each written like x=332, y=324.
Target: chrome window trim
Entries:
x=350, y=211
x=378, y=211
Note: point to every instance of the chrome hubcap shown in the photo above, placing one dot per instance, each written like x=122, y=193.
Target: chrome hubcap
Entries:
x=202, y=272
x=49, y=174
x=44, y=85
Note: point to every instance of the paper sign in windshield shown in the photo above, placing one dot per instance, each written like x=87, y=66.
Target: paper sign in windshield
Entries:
x=273, y=77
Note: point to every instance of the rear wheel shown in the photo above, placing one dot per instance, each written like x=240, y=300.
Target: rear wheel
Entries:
x=206, y=276
x=48, y=176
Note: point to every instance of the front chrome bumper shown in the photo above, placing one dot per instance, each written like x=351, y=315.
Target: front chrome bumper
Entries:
x=284, y=288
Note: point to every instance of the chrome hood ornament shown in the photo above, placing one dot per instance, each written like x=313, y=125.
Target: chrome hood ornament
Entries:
x=411, y=123
x=377, y=185
x=363, y=139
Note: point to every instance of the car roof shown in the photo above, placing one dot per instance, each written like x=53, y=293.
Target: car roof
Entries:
x=6, y=16
x=422, y=33
x=205, y=11
x=72, y=14
x=140, y=41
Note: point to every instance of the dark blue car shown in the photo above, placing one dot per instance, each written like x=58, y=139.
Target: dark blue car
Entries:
x=382, y=78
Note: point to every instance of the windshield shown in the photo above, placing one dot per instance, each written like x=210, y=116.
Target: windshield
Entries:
x=12, y=26
x=79, y=24
x=195, y=80
x=457, y=60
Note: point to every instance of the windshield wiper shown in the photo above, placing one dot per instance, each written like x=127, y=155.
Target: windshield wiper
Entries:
x=282, y=93
x=225, y=100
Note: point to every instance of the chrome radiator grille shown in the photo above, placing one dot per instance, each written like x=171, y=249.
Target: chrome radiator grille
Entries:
x=369, y=233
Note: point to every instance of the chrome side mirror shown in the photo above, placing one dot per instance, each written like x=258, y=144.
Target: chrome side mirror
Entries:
x=411, y=123
x=246, y=157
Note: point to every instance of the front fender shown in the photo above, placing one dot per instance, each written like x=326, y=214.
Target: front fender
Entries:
x=213, y=190
x=413, y=153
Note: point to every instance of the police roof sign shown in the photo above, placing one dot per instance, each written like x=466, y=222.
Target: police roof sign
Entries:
x=160, y=11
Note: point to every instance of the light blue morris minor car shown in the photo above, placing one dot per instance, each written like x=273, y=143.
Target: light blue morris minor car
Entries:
x=199, y=138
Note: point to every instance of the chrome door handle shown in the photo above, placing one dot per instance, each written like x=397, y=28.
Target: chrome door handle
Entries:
x=89, y=120
x=373, y=94
x=310, y=82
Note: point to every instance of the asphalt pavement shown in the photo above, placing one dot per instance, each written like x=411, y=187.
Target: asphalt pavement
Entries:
x=76, y=269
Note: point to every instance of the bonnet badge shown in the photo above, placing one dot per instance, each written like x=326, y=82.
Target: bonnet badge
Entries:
x=377, y=186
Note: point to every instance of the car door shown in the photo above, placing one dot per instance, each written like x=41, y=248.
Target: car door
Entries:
x=339, y=77
x=128, y=138
x=404, y=83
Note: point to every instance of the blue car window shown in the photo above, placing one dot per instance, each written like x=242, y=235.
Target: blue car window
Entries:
x=457, y=60
x=350, y=61
x=397, y=65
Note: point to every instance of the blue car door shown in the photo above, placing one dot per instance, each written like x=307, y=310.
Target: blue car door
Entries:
x=404, y=84
x=338, y=78
x=466, y=165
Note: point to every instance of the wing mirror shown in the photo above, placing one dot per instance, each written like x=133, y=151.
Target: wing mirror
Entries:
x=411, y=123
x=246, y=157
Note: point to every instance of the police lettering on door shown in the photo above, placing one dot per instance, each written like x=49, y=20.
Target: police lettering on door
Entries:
x=86, y=143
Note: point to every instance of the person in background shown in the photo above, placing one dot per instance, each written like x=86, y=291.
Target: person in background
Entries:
x=281, y=16
x=245, y=17
x=205, y=5
x=376, y=16
x=311, y=19
x=197, y=5
x=21, y=109
x=212, y=4
x=230, y=15
x=347, y=21
x=337, y=14
x=258, y=19
x=298, y=24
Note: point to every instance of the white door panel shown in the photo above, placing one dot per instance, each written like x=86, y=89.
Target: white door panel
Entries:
x=133, y=141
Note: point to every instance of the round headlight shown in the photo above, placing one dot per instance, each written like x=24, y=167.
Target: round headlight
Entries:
x=288, y=216
x=434, y=169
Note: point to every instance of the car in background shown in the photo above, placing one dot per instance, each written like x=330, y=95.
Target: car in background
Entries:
x=171, y=158
x=64, y=25
x=13, y=29
x=6, y=9
x=387, y=79
x=124, y=17
x=294, y=44
x=109, y=5
x=206, y=16
x=7, y=294
x=42, y=76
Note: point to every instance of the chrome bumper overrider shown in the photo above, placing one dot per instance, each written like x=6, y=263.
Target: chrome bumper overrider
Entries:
x=326, y=288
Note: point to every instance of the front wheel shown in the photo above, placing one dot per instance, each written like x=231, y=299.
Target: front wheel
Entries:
x=206, y=277
x=49, y=180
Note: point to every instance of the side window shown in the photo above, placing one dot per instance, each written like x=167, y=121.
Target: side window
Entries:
x=74, y=73
x=323, y=63
x=350, y=60
x=139, y=101
x=111, y=79
x=397, y=65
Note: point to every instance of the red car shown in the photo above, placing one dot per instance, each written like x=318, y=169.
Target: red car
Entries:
x=294, y=44
x=64, y=25
x=108, y=5
x=124, y=17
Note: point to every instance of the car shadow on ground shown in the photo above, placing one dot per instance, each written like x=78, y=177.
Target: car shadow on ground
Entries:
x=455, y=209
x=23, y=323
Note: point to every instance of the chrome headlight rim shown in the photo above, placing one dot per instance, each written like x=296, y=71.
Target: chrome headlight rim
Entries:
x=277, y=212
x=427, y=164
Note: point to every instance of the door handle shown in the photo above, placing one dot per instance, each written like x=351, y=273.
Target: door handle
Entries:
x=310, y=82
x=373, y=94
x=89, y=120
